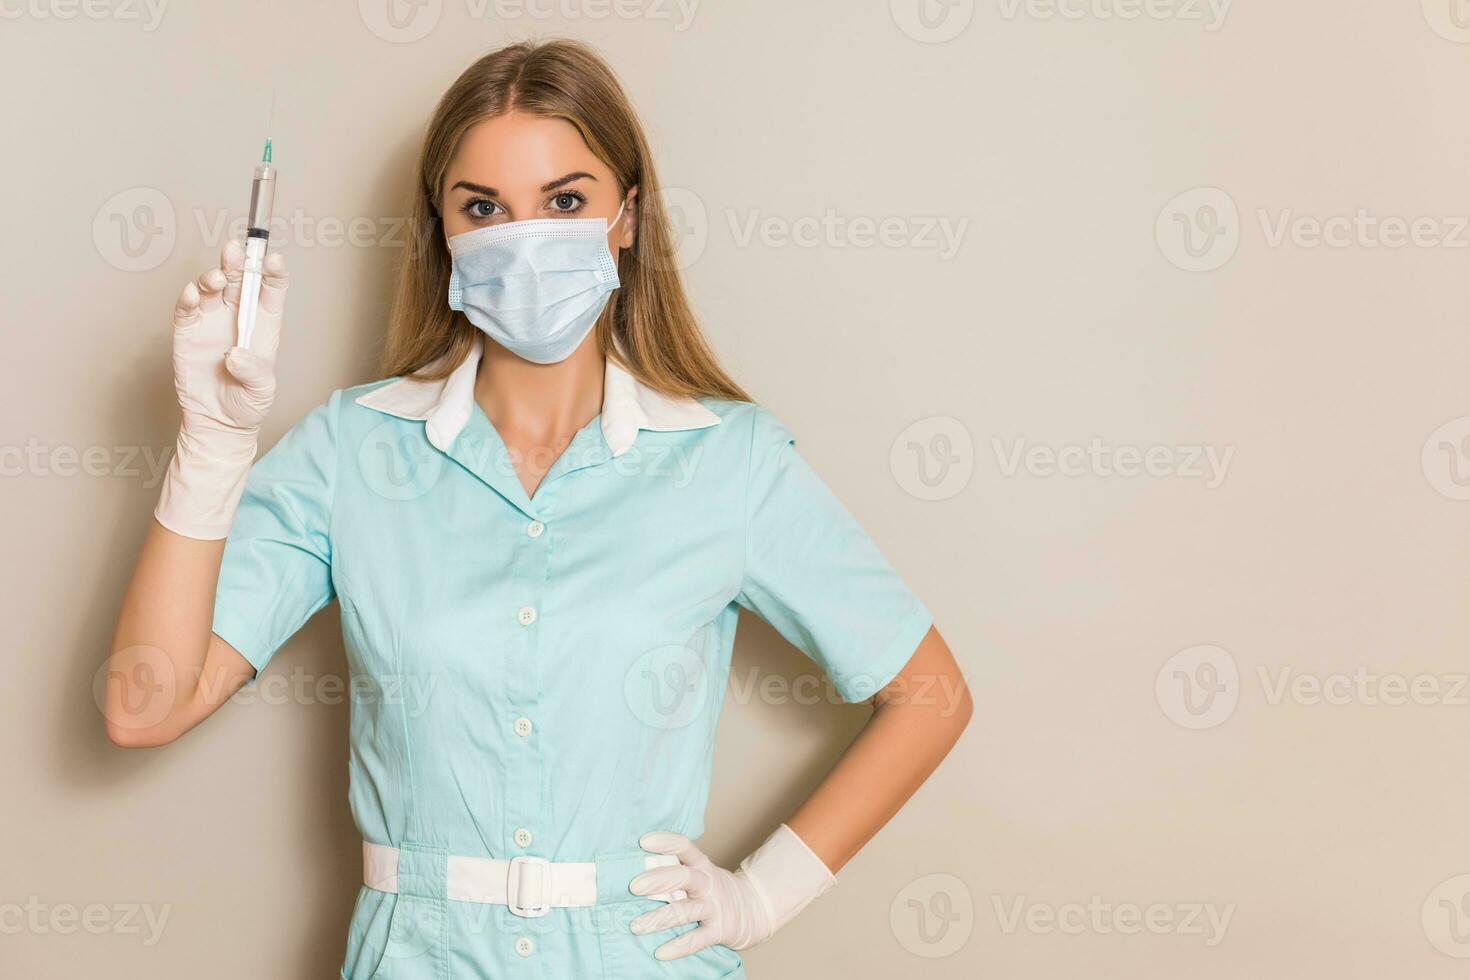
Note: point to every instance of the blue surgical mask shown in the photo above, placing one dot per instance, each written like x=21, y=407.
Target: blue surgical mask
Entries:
x=534, y=287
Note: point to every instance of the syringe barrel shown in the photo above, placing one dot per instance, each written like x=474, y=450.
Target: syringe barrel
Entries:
x=262, y=198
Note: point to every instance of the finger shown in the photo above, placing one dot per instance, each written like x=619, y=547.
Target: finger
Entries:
x=668, y=842
x=273, y=284
x=271, y=311
x=686, y=943
x=253, y=372
x=666, y=879
x=663, y=841
x=671, y=915
x=232, y=264
x=186, y=310
x=211, y=286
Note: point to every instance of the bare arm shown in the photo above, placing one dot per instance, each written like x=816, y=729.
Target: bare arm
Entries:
x=918, y=718
x=167, y=671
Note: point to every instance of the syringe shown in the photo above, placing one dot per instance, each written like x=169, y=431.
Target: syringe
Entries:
x=257, y=235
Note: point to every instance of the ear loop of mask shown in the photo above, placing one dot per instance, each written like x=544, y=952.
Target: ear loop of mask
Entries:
x=621, y=208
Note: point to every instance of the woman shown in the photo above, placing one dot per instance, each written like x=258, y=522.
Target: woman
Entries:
x=544, y=521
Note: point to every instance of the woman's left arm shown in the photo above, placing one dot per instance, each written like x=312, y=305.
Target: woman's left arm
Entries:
x=815, y=575
x=918, y=717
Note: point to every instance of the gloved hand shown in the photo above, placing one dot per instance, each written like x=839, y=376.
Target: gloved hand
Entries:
x=737, y=909
x=224, y=392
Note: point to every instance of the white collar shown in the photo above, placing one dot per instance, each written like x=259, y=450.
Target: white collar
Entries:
x=445, y=406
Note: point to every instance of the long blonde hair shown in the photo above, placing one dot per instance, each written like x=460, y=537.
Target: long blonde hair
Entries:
x=649, y=315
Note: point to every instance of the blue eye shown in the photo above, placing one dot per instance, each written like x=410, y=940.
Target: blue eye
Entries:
x=567, y=201
x=479, y=207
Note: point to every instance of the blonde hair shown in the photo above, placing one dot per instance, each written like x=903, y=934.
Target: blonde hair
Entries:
x=649, y=315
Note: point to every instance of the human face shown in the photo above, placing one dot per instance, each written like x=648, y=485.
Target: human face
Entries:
x=519, y=166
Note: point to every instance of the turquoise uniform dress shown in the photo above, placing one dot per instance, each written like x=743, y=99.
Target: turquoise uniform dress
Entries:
x=542, y=675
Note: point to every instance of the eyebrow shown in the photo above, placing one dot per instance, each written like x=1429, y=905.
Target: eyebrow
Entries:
x=566, y=180
x=477, y=188
x=492, y=192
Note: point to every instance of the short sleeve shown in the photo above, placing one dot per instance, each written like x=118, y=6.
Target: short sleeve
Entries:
x=815, y=575
x=277, y=566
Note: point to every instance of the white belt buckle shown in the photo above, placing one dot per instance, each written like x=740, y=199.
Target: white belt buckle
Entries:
x=513, y=886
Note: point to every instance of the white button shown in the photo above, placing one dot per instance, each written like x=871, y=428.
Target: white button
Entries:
x=523, y=726
x=535, y=528
x=526, y=616
x=523, y=837
x=524, y=946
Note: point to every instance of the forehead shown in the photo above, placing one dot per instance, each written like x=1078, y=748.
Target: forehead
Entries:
x=522, y=149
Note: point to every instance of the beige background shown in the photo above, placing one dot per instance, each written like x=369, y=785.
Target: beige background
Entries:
x=1083, y=604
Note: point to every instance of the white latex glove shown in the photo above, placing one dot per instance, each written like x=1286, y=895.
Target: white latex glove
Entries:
x=224, y=393
x=734, y=908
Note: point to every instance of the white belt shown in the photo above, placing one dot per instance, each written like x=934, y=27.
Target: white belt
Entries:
x=529, y=886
